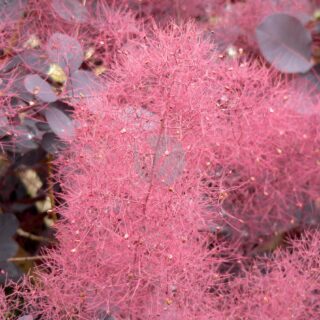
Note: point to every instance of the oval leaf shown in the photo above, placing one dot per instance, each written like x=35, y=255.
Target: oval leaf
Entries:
x=39, y=88
x=8, y=227
x=163, y=157
x=19, y=90
x=51, y=143
x=11, y=64
x=27, y=317
x=70, y=10
x=304, y=93
x=137, y=119
x=24, y=139
x=11, y=11
x=60, y=123
x=9, y=271
x=285, y=43
x=3, y=120
x=83, y=84
x=35, y=60
x=65, y=51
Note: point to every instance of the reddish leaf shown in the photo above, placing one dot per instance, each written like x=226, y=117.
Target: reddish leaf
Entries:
x=40, y=88
x=163, y=157
x=27, y=317
x=11, y=11
x=60, y=123
x=70, y=10
x=65, y=51
x=51, y=143
x=136, y=119
x=35, y=60
x=8, y=227
x=83, y=84
x=285, y=43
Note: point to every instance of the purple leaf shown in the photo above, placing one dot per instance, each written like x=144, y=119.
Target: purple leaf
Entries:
x=36, y=60
x=165, y=159
x=12, y=10
x=60, y=123
x=39, y=88
x=19, y=90
x=65, y=51
x=23, y=141
x=51, y=143
x=285, y=43
x=8, y=227
x=169, y=158
x=3, y=120
x=27, y=317
x=137, y=119
x=9, y=271
x=83, y=84
x=70, y=10
x=304, y=93
x=11, y=64
x=303, y=17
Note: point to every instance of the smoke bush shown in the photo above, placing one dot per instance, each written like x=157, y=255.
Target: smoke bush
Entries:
x=180, y=146
x=178, y=150
x=258, y=170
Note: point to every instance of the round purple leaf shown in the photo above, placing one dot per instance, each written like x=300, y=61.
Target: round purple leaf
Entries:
x=65, y=51
x=164, y=159
x=3, y=120
x=35, y=60
x=24, y=139
x=70, y=10
x=11, y=11
x=304, y=93
x=11, y=64
x=27, y=317
x=40, y=88
x=83, y=84
x=60, y=123
x=285, y=43
x=137, y=119
x=9, y=271
x=51, y=143
x=8, y=227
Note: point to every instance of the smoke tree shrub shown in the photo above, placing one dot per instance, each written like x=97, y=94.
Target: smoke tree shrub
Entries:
x=250, y=127
x=180, y=146
x=183, y=167
x=138, y=233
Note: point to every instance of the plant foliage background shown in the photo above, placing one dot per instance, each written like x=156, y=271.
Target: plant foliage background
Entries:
x=159, y=159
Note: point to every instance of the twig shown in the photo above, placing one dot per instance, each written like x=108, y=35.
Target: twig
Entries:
x=23, y=259
x=34, y=237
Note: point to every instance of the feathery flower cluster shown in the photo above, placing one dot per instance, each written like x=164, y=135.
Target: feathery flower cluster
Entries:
x=176, y=168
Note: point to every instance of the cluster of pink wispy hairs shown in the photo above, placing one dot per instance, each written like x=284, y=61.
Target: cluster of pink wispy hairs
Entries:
x=177, y=167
